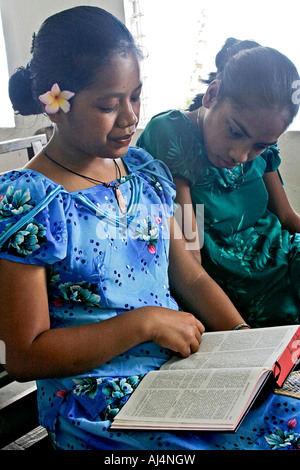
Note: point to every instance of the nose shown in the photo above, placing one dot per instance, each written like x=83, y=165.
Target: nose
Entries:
x=127, y=116
x=239, y=154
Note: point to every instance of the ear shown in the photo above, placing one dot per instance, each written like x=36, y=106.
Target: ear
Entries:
x=55, y=118
x=211, y=93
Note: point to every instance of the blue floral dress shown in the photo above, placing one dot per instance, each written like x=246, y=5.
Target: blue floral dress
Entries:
x=101, y=263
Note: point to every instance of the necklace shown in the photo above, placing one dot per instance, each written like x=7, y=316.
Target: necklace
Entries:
x=115, y=186
x=235, y=176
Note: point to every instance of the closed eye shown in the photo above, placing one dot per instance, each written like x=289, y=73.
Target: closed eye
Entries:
x=108, y=110
x=265, y=146
x=136, y=99
x=234, y=132
x=261, y=146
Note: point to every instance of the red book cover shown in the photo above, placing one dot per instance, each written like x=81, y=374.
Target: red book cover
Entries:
x=288, y=359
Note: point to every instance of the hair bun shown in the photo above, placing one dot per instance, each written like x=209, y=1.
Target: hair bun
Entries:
x=232, y=47
x=20, y=93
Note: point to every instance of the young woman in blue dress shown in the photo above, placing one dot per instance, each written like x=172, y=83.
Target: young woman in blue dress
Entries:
x=87, y=260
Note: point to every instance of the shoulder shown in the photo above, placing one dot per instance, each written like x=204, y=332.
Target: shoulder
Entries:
x=172, y=137
x=271, y=158
x=153, y=172
x=25, y=180
x=28, y=203
x=24, y=191
x=138, y=160
x=137, y=156
x=166, y=125
x=168, y=117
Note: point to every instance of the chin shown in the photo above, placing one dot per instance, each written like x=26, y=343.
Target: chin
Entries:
x=215, y=161
x=220, y=163
x=118, y=152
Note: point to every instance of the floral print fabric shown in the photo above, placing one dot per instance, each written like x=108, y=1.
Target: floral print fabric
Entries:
x=100, y=264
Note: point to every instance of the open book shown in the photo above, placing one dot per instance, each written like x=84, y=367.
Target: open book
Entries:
x=213, y=388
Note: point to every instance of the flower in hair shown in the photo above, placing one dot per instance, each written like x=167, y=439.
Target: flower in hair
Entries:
x=56, y=99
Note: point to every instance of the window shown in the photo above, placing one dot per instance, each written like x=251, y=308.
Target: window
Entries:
x=182, y=38
x=6, y=111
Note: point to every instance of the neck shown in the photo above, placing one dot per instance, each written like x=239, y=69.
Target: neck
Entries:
x=200, y=119
x=112, y=172
x=96, y=166
x=196, y=117
x=114, y=182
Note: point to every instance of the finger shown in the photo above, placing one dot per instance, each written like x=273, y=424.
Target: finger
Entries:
x=199, y=337
x=185, y=350
x=201, y=327
x=194, y=346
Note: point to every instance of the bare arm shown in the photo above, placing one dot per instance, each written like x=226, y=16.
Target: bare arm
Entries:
x=279, y=203
x=186, y=218
x=33, y=350
x=199, y=293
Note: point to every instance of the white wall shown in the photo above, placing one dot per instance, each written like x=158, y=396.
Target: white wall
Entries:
x=289, y=145
x=21, y=18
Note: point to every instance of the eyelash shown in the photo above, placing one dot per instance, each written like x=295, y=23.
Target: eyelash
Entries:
x=111, y=110
x=108, y=110
x=234, y=133
x=237, y=135
x=261, y=147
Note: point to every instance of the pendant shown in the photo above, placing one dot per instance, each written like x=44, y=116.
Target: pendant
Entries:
x=121, y=201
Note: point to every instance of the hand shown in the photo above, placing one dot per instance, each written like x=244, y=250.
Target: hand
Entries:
x=179, y=331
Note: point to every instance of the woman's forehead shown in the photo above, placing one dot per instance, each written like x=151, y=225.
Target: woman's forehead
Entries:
x=264, y=125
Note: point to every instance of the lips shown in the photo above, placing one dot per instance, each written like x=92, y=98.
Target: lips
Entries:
x=124, y=140
x=223, y=164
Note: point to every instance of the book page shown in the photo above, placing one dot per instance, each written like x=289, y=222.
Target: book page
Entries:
x=237, y=349
x=191, y=399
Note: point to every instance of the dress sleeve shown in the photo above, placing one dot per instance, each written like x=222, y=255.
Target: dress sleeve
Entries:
x=32, y=219
x=272, y=158
x=170, y=138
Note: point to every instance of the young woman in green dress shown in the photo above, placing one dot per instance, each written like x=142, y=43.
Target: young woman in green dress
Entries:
x=222, y=153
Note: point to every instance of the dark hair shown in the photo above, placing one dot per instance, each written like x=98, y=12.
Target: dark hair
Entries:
x=253, y=74
x=69, y=48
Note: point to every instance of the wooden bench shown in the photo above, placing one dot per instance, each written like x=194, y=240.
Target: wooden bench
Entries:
x=19, y=425
x=32, y=144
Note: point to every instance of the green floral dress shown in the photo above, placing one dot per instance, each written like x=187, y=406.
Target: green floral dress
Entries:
x=245, y=249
